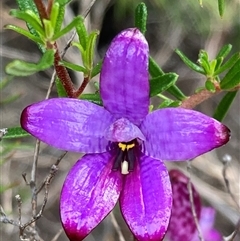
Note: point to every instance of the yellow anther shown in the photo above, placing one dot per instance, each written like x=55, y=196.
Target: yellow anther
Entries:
x=124, y=146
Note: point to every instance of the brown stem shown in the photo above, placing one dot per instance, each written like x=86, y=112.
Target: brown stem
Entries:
x=196, y=99
x=49, y=7
x=41, y=9
x=63, y=74
x=82, y=87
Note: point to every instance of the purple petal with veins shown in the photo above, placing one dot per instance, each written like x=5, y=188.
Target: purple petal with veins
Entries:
x=181, y=134
x=146, y=199
x=182, y=225
x=89, y=193
x=124, y=85
x=68, y=124
x=122, y=130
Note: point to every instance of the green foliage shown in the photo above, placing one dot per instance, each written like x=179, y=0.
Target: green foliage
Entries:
x=141, y=17
x=22, y=68
x=15, y=132
x=224, y=105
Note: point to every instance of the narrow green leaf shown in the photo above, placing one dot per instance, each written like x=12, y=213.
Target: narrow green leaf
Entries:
x=221, y=7
x=54, y=14
x=210, y=86
x=224, y=105
x=63, y=2
x=10, y=99
x=189, y=63
x=60, y=18
x=154, y=69
x=15, y=132
x=60, y=88
x=30, y=17
x=162, y=83
x=90, y=49
x=232, y=60
x=95, y=98
x=141, y=17
x=169, y=103
x=29, y=4
x=74, y=67
x=5, y=81
x=25, y=33
x=96, y=69
x=218, y=64
x=232, y=78
x=176, y=92
x=82, y=33
x=224, y=51
x=22, y=68
x=67, y=29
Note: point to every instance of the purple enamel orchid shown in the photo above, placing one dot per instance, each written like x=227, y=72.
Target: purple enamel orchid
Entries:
x=182, y=225
x=125, y=145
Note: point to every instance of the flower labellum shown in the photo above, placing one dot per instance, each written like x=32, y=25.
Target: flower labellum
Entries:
x=125, y=145
x=182, y=224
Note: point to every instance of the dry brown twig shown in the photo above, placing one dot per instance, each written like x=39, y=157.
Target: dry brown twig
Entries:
x=189, y=186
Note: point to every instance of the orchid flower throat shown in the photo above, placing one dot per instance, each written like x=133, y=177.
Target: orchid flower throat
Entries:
x=125, y=157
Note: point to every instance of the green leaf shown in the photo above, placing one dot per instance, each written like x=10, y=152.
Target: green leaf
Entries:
x=189, y=63
x=30, y=17
x=82, y=33
x=15, y=132
x=29, y=4
x=221, y=7
x=67, y=29
x=60, y=88
x=210, y=86
x=54, y=15
x=22, y=68
x=176, y=92
x=24, y=32
x=218, y=64
x=5, y=81
x=224, y=51
x=224, y=105
x=91, y=42
x=96, y=69
x=154, y=69
x=162, y=83
x=232, y=78
x=141, y=17
x=60, y=18
x=74, y=67
x=228, y=64
x=63, y=2
x=169, y=103
x=95, y=98
x=10, y=99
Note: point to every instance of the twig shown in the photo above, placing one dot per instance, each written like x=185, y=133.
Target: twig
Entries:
x=189, y=186
x=234, y=233
x=197, y=99
x=116, y=226
x=226, y=161
x=89, y=8
x=55, y=238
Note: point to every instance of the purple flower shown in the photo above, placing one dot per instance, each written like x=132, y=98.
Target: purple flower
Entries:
x=182, y=225
x=121, y=137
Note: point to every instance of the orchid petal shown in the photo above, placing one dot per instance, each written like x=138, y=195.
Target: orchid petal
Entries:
x=89, y=193
x=122, y=130
x=182, y=225
x=68, y=124
x=146, y=199
x=124, y=84
x=180, y=134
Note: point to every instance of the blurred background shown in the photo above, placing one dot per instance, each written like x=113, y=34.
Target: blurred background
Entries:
x=171, y=24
